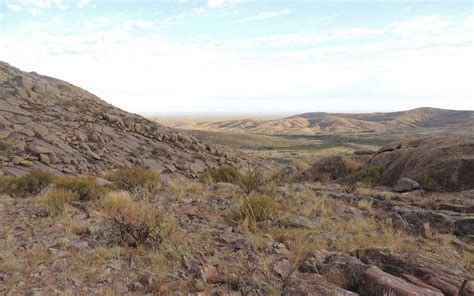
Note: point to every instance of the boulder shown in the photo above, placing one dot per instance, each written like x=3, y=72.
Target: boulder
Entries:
x=307, y=284
x=437, y=163
x=376, y=282
x=406, y=184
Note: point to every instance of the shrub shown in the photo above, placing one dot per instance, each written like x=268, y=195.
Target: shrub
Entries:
x=30, y=184
x=370, y=175
x=57, y=198
x=114, y=201
x=136, y=223
x=135, y=178
x=253, y=208
x=4, y=146
x=227, y=174
x=86, y=187
x=251, y=180
x=428, y=183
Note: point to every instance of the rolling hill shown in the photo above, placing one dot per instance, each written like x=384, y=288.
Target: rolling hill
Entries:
x=320, y=122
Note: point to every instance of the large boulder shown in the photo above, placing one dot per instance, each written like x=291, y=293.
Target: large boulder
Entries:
x=377, y=282
x=421, y=269
x=406, y=184
x=439, y=163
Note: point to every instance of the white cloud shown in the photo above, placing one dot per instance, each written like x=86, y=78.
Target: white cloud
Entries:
x=141, y=24
x=34, y=11
x=214, y=3
x=13, y=7
x=160, y=74
x=83, y=3
x=264, y=16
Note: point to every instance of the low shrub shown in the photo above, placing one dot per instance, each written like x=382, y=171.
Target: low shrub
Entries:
x=135, y=178
x=86, y=187
x=115, y=201
x=252, y=209
x=227, y=174
x=428, y=183
x=56, y=199
x=370, y=176
x=136, y=223
x=30, y=184
x=251, y=180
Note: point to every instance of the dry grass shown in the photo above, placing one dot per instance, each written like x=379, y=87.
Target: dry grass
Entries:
x=364, y=204
x=136, y=223
x=56, y=199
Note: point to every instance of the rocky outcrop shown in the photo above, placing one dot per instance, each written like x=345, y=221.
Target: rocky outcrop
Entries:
x=441, y=163
x=52, y=125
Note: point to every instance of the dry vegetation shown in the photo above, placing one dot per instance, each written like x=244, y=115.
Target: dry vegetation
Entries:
x=234, y=231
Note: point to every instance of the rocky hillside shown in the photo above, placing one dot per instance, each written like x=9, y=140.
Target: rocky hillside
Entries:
x=320, y=122
x=53, y=125
x=445, y=162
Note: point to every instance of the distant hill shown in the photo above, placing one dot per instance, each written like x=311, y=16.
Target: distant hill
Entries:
x=320, y=122
x=50, y=124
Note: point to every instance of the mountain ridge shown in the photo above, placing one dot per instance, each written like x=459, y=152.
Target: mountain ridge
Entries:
x=322, y=122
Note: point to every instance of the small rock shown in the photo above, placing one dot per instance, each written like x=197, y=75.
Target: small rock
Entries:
x=211, y=276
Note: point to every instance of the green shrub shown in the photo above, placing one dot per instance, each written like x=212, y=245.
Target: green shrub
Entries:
x=428, y=183
x=135, y=178
x=4, y=146
x=56, y=200
x=86, y=187
x=227, y=174
x=30, y=184
x=252, y=209
x=370, y=175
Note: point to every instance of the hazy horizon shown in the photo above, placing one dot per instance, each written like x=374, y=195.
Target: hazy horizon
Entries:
x=229, y=57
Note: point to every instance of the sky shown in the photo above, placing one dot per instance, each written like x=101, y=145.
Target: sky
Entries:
x=245, y=56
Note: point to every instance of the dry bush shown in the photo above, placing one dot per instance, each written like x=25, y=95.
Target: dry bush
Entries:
x=77, y=227
x=227, y=174
x=251, y=180
x=30, y=184
x=325, y=178
x=135, y=178
x=352, y=165
x=301, y=166
x=252, y=209
x=56, y=199
x=9, y=262
x=114, y=201
x=364, y=204
x=136, y=223
x=86, y=187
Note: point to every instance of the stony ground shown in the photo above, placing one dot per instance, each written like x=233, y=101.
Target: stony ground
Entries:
x=319, y=241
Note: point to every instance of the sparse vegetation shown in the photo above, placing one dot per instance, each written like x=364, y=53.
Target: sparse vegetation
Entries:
x=252, y=179
x=428, y=183
x=136, y=223
x=28, y=185
x=86, y=187
x=135, y=178
x=370, y=176
x=226, y=174
x=252, y=209
x=56, y=199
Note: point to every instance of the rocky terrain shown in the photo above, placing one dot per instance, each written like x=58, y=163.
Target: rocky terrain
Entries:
x=97, y=201
x=50, y=124
x=447, y=162
x=314, y=240
x=320, y=122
